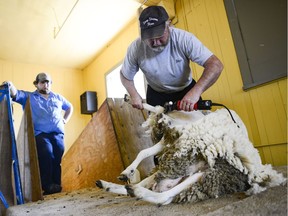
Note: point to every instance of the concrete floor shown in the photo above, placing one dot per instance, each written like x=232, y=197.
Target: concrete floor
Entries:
x=92, y=201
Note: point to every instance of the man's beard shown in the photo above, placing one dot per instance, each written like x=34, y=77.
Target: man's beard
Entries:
x=157, y=49
x=44, y=91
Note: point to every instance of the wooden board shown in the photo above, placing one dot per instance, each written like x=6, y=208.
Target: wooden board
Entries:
x=28, y=159
x=131, y=135
x=94, y=155
x=108, y=144
x=5, y=156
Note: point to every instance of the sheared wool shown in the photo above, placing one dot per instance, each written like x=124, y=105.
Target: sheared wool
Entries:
x=209, y=136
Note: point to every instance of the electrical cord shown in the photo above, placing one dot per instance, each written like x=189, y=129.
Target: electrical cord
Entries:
x=200, y=105
x=217, y=104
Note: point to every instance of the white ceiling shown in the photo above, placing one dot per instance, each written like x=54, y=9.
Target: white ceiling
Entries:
x=31, y=31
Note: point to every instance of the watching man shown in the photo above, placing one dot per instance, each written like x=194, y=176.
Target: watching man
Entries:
x=48, y=122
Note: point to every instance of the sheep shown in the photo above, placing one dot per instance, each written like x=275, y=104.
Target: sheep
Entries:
x=201, y=154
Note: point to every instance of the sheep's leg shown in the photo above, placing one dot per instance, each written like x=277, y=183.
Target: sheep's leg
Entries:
x=146, y=106
x=147, y=182
x=120, y=189
x=150, y=108
x=166, y=197
x=130, y=170
x=111, y=187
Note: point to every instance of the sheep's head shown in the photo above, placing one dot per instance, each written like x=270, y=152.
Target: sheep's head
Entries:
x=170, y=135
x=157, y=129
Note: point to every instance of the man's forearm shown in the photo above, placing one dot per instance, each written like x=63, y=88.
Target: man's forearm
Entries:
x=67, y=115
x=129, y=85
x=136, y=99
x=212, y=70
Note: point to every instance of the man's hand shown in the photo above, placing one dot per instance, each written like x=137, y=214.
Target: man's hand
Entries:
x=12, y=88
x=7, y=83
x=136, y=102
x=189, y=100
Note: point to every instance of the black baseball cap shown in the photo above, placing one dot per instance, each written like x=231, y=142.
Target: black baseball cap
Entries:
x=42, y=77
x=152, y=22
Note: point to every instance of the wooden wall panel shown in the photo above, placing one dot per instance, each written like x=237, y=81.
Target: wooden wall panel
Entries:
x=283, y=91
x=5, y=156
x=131, y=135
x=108, y=144
x=275, y=154
x=94, y=155
x=270, y=114
x=28, y=159
x=263, y=109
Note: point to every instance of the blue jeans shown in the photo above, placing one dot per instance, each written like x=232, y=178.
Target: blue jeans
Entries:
x=50, y=149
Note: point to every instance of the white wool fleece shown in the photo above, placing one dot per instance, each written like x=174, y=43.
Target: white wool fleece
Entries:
x=216, y=136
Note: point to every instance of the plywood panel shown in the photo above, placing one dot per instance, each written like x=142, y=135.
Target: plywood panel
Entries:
x=108, y=144
x=5, y=156
x=28, y=159
x=94, y=155
x=131, y=135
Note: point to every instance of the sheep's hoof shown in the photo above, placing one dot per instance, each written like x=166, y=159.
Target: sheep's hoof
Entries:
x=123, y=178
x=99, y=184
x=130, y=191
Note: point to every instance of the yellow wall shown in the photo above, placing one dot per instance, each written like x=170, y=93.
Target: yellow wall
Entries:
x=262, y=109
x=67, y=82
x=111, y=56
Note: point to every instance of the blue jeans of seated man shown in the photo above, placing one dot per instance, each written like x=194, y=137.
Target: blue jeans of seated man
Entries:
x=50, y=149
